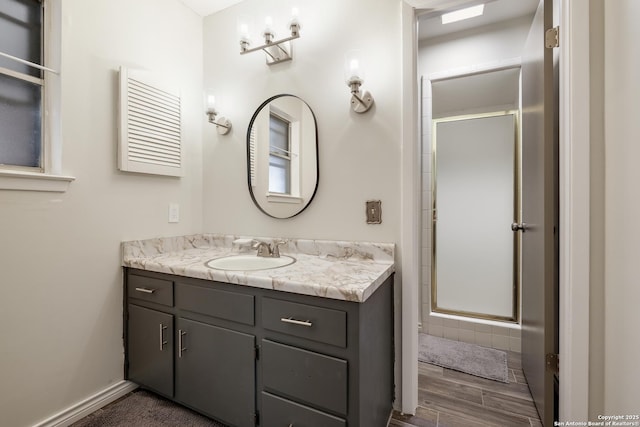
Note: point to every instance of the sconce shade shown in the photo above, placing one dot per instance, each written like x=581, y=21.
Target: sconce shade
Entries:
x=268, y=24
x=295, y=16
x=354, y=73
x=211, y=102
x=244, y=32
x=223, y=125
x=354, y=70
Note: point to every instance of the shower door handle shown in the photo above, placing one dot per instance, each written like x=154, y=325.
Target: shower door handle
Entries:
x=519, y=226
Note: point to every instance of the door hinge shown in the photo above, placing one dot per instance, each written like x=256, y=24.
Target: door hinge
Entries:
x=257, y=354
x=552, y=38
x=553, y=362
x=256, y=418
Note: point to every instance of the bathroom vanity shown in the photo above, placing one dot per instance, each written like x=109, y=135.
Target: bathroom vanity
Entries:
x=307, y=344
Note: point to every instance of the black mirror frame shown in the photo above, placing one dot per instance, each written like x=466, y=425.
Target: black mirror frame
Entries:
x=253, y=118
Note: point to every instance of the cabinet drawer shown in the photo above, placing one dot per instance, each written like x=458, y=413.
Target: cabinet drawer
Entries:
x=217, y=303
x=305, y=376
x=306, y=321
x=150, y=289
x=281, y=412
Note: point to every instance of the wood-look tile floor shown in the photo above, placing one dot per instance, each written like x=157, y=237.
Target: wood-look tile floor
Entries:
x=449, y=398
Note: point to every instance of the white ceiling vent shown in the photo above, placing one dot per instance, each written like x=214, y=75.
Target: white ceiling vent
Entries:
x=150, y=126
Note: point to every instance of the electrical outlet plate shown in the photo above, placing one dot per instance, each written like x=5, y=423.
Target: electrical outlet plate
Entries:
x=374, y=212
x=174, y=212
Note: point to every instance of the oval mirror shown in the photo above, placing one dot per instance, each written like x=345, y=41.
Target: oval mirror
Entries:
x=282, y=156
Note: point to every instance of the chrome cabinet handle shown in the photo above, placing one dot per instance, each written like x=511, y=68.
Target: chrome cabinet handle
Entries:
x=145, y=290
x=162, y=341
x=296, y=322
x=181, y=333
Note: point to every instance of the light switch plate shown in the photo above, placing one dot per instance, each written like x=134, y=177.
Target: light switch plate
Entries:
x=374, y=212
x=174, y=212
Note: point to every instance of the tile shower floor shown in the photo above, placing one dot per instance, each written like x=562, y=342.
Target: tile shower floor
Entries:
x=449, y=398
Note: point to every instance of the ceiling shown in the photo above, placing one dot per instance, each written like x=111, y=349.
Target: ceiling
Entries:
x=495, y=11
x=207, y=7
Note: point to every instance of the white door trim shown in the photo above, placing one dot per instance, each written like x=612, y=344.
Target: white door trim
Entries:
x=410, y=212
x=574, y=210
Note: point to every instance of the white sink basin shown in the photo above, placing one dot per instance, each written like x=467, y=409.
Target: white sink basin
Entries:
x=244, y=262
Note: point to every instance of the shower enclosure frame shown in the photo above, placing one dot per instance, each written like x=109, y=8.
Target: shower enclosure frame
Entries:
x=515, y=308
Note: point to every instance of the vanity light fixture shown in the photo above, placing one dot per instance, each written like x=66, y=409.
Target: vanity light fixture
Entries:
x=223, y=124
x=461, y=14
x=276, y=50
x=354, y=77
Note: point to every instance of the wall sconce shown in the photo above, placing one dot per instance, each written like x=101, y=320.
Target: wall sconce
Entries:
x=276, y=50
x=354, y=76
x=223, y=125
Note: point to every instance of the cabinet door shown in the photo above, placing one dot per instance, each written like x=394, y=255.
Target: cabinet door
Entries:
x=215, y=372
x=150, y=349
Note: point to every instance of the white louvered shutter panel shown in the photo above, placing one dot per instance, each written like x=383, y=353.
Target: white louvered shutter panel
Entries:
x=150, y=126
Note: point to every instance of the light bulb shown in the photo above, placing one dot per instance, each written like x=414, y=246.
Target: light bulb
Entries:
x=295, y=13
x=209, y=100
x=354, y=68
x=244, y=29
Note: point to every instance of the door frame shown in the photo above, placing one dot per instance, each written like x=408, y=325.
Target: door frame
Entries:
x=574, y=210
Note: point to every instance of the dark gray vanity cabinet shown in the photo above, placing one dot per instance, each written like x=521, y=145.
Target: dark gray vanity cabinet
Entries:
x=324, y=362
x=181, y=342
x=256, y=357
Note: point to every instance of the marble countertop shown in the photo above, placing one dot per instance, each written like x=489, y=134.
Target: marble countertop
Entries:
x=349, y=271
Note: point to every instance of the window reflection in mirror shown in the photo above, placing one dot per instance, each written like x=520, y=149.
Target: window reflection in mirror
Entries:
x=282, y=156
x=279, y=155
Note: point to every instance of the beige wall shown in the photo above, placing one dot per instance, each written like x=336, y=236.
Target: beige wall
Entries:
x=61, y=293
x=359, y=155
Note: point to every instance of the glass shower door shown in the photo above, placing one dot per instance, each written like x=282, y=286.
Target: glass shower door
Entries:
x=475, y=264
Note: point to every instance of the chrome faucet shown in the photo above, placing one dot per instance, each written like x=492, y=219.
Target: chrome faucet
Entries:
x=264, y=249
x=268, y=250
x=275, y=248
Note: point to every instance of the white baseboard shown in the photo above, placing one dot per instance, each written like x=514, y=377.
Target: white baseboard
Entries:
x=91, y=404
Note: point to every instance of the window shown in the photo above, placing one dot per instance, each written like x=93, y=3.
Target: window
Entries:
x=21, y=85
x=29, y=87
x=279, y=155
